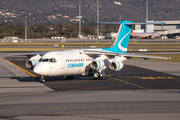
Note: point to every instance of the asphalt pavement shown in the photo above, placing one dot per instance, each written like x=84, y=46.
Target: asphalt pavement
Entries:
x=142, y=90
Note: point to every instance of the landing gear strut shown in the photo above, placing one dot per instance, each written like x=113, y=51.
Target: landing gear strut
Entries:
x=42, y=80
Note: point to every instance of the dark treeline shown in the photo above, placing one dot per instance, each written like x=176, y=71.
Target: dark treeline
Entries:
x=48, y=31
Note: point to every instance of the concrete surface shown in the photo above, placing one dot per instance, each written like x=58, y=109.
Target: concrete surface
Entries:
x=30, y=99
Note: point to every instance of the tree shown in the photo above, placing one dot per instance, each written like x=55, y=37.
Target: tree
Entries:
x=87, y=30
x=42, y=31
x=70, y=31
x=20, y=32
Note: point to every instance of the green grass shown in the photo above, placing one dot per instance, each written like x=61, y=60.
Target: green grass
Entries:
x=172, y=50
x=136, y=43
x=32, y=49
x=94, y=43
x=52, y=44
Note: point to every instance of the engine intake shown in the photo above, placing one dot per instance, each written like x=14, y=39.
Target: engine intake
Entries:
x=97, y=64
x=116, y=66
x=32, y=61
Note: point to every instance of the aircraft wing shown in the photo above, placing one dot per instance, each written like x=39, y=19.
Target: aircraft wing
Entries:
x=127, y=55
x=144, y=56
x=29, y=54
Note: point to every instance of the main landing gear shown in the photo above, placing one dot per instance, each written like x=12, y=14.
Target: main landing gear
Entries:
x=98, y=76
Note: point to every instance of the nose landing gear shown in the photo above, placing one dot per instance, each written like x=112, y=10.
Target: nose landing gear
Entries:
x=42, y=80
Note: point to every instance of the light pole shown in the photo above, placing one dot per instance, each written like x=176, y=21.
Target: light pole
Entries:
x=80, y=18
x=146, y=10
x=98, y=18
x=25, y=28
x=119, y=17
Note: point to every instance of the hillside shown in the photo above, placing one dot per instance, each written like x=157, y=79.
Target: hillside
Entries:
x=56, y=11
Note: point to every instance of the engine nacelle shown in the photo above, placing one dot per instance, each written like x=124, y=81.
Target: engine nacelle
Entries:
x=97, y=64
x=116, y=66
x=32, y=61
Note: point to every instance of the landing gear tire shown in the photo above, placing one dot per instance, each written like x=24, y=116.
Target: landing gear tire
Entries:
x=98, y=78
x=42, y=80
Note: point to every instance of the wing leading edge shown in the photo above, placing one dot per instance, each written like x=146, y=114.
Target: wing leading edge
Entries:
x=29, y=54
x=108, y=53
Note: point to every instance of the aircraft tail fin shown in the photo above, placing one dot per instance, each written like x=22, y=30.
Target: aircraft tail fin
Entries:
x=121, y=42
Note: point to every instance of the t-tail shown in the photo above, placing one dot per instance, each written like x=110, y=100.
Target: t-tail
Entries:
x=122, y=38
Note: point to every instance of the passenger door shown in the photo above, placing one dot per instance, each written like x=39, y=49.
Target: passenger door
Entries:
x=63, y=63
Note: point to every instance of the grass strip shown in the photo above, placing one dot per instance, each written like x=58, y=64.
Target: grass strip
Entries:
x=52, y=44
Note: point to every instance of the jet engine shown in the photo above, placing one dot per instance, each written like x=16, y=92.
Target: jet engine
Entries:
x=32, y=61
x=116, y=65
x=97, y=64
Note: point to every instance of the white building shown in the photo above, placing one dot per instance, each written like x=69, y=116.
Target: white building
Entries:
x=169, y=27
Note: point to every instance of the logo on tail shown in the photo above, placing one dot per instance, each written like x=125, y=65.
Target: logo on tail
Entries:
x=120, y=46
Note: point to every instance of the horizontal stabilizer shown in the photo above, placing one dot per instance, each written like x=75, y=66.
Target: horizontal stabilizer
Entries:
x=132, y=23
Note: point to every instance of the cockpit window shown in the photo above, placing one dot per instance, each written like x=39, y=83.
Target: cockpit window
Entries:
x=45, y=60
x=40, y=60
x=53, y=60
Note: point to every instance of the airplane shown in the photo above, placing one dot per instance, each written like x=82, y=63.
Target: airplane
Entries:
x=69, y=63
x=146, y=35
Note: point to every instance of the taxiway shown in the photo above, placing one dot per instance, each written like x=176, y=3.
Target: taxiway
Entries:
x=141, y=90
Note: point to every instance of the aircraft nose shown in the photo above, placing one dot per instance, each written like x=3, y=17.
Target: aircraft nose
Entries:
x=37, y=70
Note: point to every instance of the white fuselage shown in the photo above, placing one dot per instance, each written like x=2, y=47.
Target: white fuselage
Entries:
x=63, y=63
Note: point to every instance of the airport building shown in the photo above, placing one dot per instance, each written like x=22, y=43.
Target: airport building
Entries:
x=170, y=28
x=169, y=25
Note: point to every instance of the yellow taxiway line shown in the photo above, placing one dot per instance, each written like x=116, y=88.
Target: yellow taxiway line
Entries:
x=34, y=76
